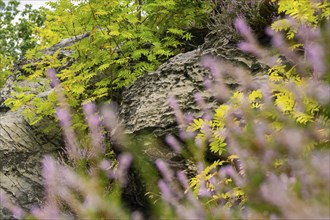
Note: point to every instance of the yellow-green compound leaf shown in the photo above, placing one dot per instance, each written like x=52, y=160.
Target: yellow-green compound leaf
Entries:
x=218, y=145
x=196, y=125
x=103, y=66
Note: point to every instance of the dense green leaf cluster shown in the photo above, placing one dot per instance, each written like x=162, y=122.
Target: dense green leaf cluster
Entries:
x=126, y=39
x=303, y=11
x=16, y=28
x=16, y=33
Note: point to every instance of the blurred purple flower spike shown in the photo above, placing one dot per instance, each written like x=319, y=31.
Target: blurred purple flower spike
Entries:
x=72, y=146
x=112, y=123
x=124, y=161
x=177, y=111
x=244, y=30
x=90, y=111
x=164, y=170
x=6, y=203
x=94, y=123
x=51, y=73
x=49, y=173
x=189, y=118
x=216, y=86
x=171, y=140
x=64, y=117
x=211, y=63
x=315, y=55
x=250, y=45
x=280, y=43
x=166, y=192
x=315, y=52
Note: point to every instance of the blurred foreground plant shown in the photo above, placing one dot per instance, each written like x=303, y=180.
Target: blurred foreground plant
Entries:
x=278, y=127
x=273, y=133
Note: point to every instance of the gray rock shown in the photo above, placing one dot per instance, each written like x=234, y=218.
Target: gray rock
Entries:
x=21, y=150
x=145, y=103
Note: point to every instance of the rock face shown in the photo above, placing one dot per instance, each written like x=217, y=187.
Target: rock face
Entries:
x=145, y=103
x=144, y=109
x=23, y=146
x=21, y=150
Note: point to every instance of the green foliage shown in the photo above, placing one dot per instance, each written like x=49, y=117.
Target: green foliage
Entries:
x=16, y=36
x=6, y=65
x=263, y=127
x=302, y=11
x=127, y=39
x=216, y=129
x=16, y=32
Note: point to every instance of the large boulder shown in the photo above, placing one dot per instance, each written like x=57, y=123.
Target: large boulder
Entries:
x=145, y=109
x=21, y=150
x=145, y=103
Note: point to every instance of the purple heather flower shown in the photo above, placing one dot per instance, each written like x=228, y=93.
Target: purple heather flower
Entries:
x=247, y=47
x=136, y=215
x=105, y=165
x=203, y=191
x=202, y=104
x=173, y=143
x=189, y=118
x=124, y=161
x=72, y=146
x=293, y=139
x=51, y=177
x=177, y=111
x=51, y=73
x=212, y=64
x=166, y=192
x=64, y=117
x=182, y=179
x=319, y=90
x=244, y=30
x=91, y=116
x=208, y=84
x=164, y=170
x=315, y=55
x=94, y=123
x=6, y=203
x=185, y=183
x=279, y=43
x=199, y=142
x=113, y=125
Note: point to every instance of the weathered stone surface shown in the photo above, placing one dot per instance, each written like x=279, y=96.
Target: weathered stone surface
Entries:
x=23, y=146
x=145, y=103
x=21, y=150
x=145, y=108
